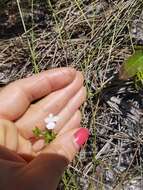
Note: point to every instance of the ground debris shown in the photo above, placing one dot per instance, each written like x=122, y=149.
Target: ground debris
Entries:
x=95, y=37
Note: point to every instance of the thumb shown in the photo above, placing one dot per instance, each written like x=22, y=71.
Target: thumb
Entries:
x=69, y=143
x=44, y=172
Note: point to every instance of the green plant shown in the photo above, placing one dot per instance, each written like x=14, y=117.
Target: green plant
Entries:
x=133, y=67
x=47, y=135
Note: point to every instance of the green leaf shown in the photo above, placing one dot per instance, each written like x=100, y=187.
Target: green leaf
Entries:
x=139, y=80
x=133, y=65
x=49, y=136
x=37, y=132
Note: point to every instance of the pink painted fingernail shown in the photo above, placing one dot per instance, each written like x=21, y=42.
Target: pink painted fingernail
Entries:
x=81, y=136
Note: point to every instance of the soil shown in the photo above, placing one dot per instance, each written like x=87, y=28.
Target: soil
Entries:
x=113, y=112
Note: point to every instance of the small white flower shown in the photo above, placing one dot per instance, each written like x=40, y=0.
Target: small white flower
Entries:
x=51, y=121
x=51, y=125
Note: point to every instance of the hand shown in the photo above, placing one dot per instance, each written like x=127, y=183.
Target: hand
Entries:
x=58, y=91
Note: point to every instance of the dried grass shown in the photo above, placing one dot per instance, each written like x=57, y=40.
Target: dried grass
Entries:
x=94, y=37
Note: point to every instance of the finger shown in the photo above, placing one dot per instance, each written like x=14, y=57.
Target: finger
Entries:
x=54, y=103
x=68, y=144
x=7, y=155
x=73, y=105
x=43, y=172
x=11, y=141
x=38, y=145
x=24, y=146
x=53, y=158
x=16, y=97
x=72, y=124
x=2, y=134
x=57, y=100
x=8, y=134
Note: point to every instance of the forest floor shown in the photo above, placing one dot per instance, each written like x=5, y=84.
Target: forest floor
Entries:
x=94, y=36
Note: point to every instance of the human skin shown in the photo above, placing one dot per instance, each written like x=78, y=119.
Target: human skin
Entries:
x=23, y=106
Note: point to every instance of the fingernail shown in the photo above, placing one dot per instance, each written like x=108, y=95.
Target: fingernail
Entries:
x=81, y=136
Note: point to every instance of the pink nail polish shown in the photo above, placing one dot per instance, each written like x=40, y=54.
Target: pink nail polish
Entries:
x=81, y=136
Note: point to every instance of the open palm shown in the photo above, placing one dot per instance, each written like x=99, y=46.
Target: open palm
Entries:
x=25, y=104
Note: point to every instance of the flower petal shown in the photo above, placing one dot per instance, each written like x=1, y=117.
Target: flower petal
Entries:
x=51, y=118
x=51, y=125
x=46, y=120
x=56, y=118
